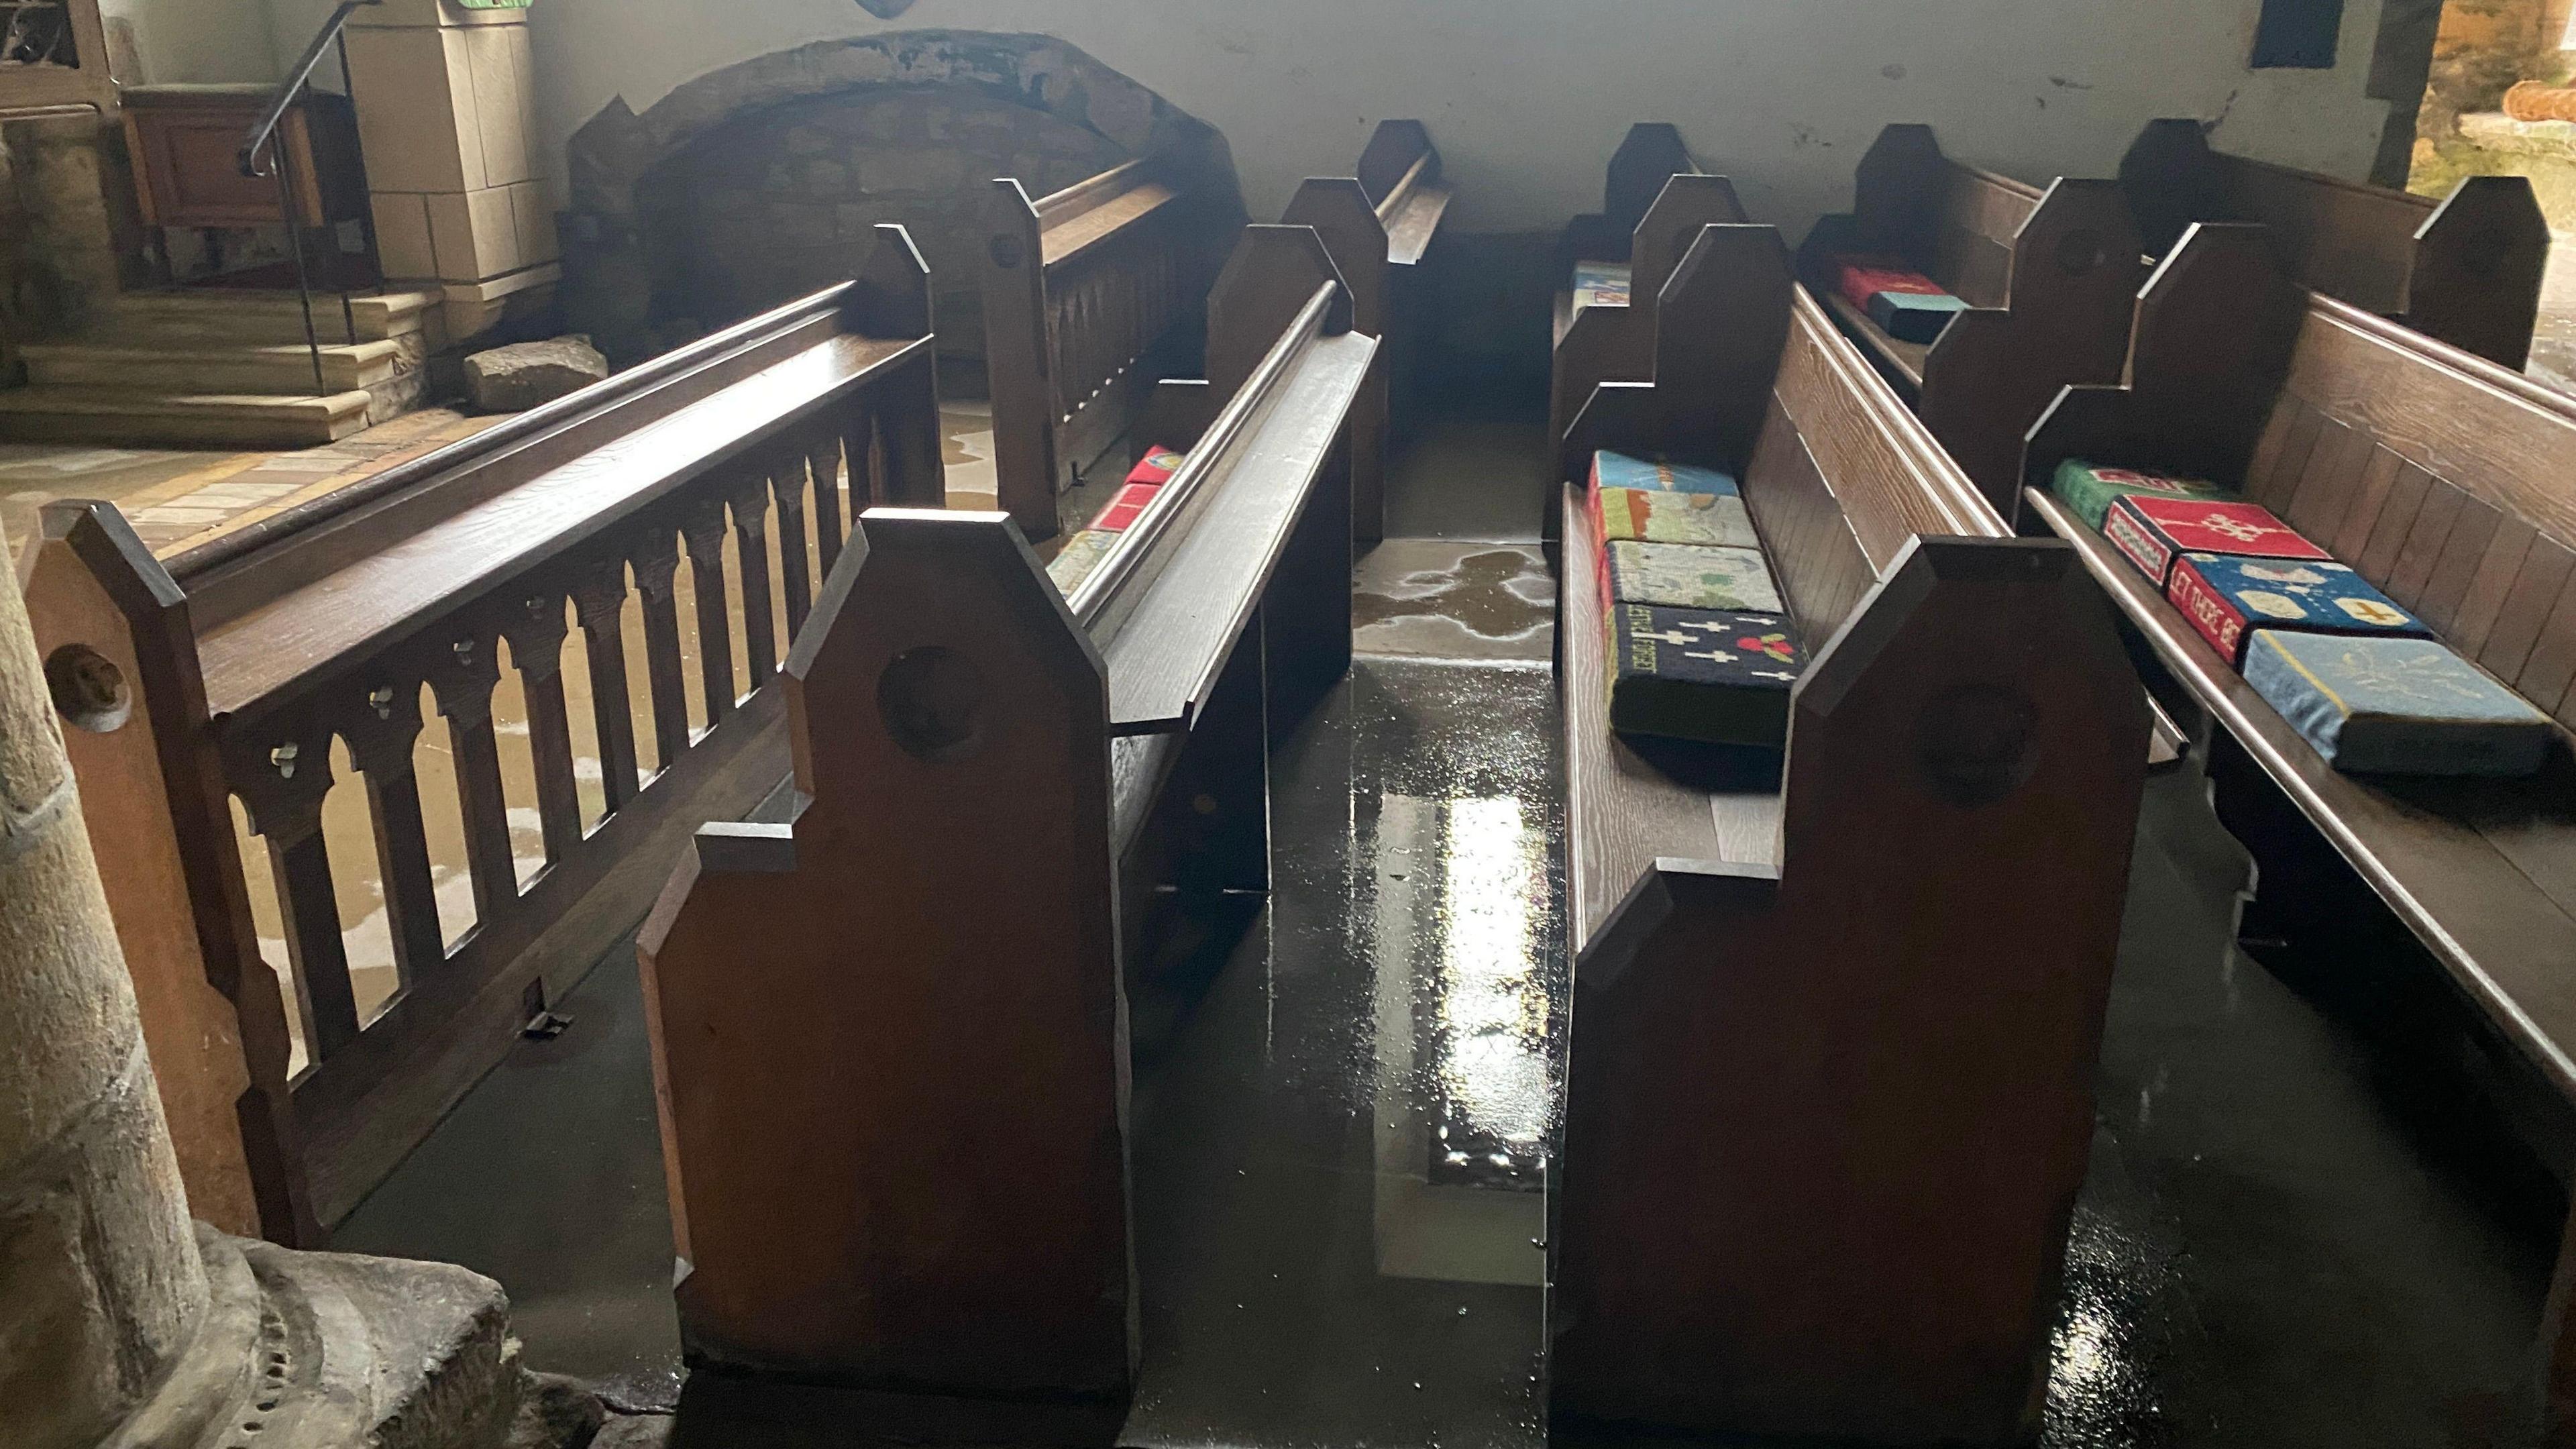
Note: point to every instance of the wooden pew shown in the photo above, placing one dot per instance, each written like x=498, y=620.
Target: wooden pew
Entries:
x=2050, y=273
x=1090, y=296
x=2443, y=479
x=2465, y=270
x=1607, y=343
x=1378, y=225
x=1830, y=1086
x=895, y=1109
x=240, y=663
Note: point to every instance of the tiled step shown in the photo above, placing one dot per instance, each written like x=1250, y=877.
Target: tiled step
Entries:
x=225, y=420
x=141, y=364
x=211, y=317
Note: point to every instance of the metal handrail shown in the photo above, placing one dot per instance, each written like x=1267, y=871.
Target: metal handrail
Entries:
x=293, y=87
x=263, y=137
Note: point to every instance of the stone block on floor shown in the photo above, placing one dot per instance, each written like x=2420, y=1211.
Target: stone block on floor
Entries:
x=521, y=376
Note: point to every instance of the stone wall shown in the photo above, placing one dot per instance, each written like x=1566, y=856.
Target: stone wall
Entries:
x=772, y=205
x=748, y=183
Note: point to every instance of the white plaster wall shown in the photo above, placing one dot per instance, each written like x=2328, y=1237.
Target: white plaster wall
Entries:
x=199, y=40
x=1526, y=98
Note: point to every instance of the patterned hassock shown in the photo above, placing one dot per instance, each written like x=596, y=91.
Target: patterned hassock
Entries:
x=1684, y=576
x=1082, y=552
x=1124, y=506
x=2396, y=706
x=2226, y=598
x=1156, y=467
x=1648, y=515
x=1618, y=470
x=2152, y=532
x=1718, y=677
x=1902, y=302
x=1601, y=284
x=2089, y=489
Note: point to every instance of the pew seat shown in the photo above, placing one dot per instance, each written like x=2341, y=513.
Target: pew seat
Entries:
x=2441, y=478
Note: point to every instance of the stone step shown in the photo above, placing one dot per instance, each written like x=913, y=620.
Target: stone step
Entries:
x=266, y=317
x=144, y=364
x=203, y=420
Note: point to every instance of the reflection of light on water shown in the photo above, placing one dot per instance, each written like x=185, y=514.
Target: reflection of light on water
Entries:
x=2084, y=1355
x=1492, y=1012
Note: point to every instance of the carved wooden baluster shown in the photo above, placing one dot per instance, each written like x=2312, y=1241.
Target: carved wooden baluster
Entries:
x=600, y=601
x=749, y=495
x=908, y=446
x=536, y=631
x=823, y=456
x=462, y=678
x=381, y=733
x=282, y=772
x=657, y=568
x=787, y=484
x=859, y=445
x=704, y=529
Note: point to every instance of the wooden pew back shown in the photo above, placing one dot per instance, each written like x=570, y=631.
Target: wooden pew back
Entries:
x=1091, y=294
x=2466, y=270
x=954, y=1076
x=2048, y=272
x=2438, y=475
x=254, y=656
x=1890, y=968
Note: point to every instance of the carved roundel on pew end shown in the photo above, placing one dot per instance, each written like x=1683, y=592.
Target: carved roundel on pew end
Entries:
x=1006, y=252
x=2080, y=251
x=1974, y=743
x=932, y=700
x=88, y=689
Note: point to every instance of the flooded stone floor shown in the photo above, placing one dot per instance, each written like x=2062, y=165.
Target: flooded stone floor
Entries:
x=1339, y=1150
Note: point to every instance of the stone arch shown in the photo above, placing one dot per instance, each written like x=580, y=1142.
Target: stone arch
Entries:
x=613, y=276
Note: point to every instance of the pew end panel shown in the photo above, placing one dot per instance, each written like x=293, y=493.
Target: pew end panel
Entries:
x=1354, y=236
x=2479, y=264
x=1929, y=869
x=946, y=682
x=2212, y=338
x=1961, y=782
x=1652, y=153
x=2075, y=279
x=326, y=628
x=1616, y=344
x=2466, y=270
